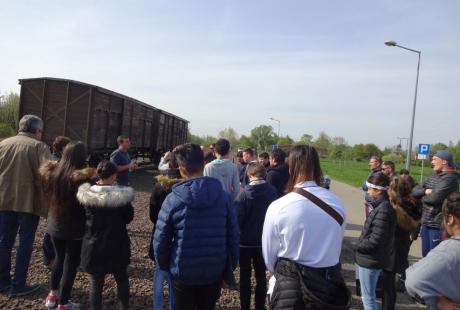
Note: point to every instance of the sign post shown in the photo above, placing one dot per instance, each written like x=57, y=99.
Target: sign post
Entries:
x=423, y=153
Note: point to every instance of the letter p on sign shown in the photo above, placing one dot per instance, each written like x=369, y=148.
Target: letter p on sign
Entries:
x=424, y=149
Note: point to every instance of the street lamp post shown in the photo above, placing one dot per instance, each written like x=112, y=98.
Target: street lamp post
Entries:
x=279, y=125
x=400, y=142
x=409, y=149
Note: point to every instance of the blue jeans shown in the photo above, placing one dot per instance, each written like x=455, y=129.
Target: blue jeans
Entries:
x=159, y=276
x=431, y=237
x=10, y=223
x=368, y=280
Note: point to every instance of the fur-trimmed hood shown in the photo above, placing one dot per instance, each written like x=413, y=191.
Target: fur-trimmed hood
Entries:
x=167, y=182
x=404, y=220
x=78, y=176
x=407, y=213
x=104, y=196
x=46, y=169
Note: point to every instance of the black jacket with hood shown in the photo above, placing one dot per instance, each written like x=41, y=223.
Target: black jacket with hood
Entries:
x=106, y=247
x=375, y=247
x=278, y=176
x=251, y=206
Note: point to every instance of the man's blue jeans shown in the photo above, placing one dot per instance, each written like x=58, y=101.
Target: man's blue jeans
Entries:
x=159, y=277
x=10, y=223
x=368, y=280
x=431, y=237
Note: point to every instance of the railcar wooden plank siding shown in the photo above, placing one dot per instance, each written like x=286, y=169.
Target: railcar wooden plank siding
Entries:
x=96, y=116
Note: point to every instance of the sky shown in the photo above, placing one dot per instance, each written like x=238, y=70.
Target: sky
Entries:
x=314, y=65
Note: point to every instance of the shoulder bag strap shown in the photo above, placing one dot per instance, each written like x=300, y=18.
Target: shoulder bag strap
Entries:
x=326, y=208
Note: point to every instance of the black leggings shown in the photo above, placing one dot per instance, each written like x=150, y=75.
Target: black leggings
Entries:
x=97, y=284
x=65, y=267
x=389, y=292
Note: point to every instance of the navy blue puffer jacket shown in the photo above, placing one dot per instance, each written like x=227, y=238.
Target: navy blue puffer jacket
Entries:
x=195, y=231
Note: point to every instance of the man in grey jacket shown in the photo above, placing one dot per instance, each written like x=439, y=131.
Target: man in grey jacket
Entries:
x=223, y=169
x=432, y=192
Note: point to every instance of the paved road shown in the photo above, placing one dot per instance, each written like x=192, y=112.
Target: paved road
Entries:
x=353, y=198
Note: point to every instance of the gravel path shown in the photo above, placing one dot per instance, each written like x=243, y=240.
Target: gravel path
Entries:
x=140, y=270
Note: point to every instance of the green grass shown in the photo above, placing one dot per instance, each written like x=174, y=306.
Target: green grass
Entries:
x=354, y=173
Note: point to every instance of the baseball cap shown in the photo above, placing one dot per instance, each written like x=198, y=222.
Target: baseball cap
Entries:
x=447, y=156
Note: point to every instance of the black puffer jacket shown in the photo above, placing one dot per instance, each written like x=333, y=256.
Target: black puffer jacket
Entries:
x=300, y=287
x=375, y=248
x=442, y=185
x=374, y=172
x=106, y=247
x=278, y=177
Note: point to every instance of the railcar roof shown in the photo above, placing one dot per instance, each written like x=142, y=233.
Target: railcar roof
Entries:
x=103, y=90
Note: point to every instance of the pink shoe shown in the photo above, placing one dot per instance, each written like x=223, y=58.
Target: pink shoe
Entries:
x=51, y=301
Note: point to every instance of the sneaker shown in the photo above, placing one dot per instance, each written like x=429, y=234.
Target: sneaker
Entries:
x=69, y=306
x=51, y=301
x=25, y=290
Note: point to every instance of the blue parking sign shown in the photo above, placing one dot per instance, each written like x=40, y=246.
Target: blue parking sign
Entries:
x=424, y=149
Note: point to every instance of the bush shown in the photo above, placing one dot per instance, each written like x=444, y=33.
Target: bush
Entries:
x=9, y=109
x=6, y=131
x=397, y=159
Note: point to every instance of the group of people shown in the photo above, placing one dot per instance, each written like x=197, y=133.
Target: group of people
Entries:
x=397, y=211
x=209, y=222
x=211, y=213
x=86, y=211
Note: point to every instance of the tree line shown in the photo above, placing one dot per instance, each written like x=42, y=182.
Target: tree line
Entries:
x=263, y=138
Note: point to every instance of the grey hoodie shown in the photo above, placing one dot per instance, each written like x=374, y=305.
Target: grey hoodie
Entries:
x=438, y=274
x=227, y=173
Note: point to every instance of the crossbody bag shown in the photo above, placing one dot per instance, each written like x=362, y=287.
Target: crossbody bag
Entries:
x=321, y=204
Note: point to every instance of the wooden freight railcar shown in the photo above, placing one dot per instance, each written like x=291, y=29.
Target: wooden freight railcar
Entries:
x=97, y=116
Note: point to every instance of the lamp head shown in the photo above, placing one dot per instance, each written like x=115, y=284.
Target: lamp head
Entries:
x=390, y=43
